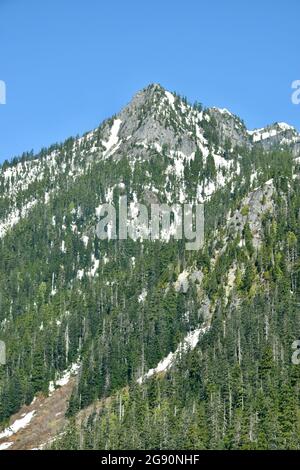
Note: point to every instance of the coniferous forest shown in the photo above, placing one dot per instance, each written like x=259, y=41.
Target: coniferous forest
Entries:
x=113, y=310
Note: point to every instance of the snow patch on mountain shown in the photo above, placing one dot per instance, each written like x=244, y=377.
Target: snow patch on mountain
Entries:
x=17, y=425
x=15, y=216
x=113, y=142
x=65, y=377
x=189, y=342
x=171, y=98
x=5, y=445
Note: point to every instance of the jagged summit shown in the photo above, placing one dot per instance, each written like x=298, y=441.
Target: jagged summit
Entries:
x=158, y=117
x=146, y=93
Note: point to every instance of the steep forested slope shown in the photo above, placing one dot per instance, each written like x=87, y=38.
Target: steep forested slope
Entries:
x=118, y=308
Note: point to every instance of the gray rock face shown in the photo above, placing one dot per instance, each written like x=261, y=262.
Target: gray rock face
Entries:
x=204, y=311
x=277, y=135
x=151, y=118
x=230, y=127
x=257, y=203
x=196, y=276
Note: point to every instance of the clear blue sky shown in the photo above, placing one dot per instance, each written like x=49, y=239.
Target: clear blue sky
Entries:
x=68, y=64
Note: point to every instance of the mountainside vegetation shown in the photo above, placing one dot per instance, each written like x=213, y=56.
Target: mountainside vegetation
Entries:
x=115, y=309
